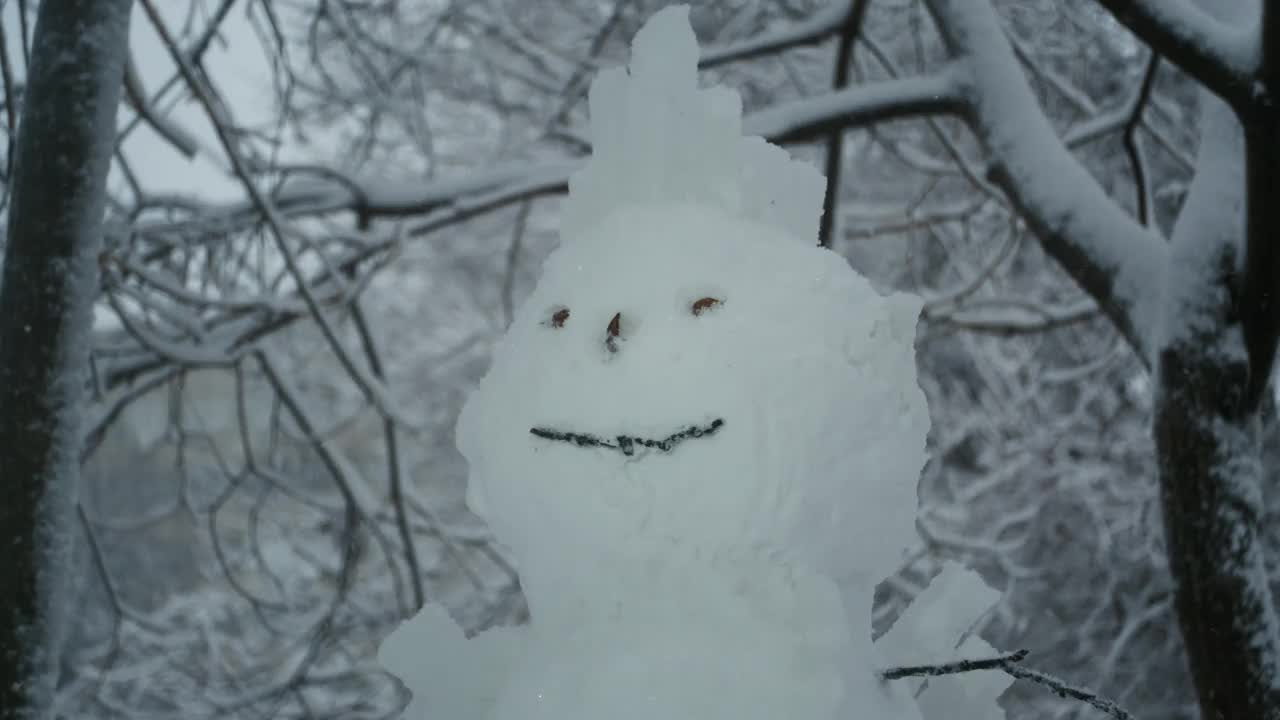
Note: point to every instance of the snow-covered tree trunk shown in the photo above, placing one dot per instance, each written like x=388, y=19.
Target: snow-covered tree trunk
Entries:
x=1209, y=451
x=47, y=291
x=1215, y=350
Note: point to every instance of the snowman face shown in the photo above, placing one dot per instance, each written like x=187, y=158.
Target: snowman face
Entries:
x=681, y=376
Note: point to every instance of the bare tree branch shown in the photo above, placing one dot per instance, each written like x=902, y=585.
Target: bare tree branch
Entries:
x=858, y=106
x=1142, y=187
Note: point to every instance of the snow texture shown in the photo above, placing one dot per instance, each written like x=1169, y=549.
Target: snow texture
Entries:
x=452, y=677
x=658, y=139
x=729, y=574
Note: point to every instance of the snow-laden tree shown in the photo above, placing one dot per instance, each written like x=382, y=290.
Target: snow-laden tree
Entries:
x=279, y=373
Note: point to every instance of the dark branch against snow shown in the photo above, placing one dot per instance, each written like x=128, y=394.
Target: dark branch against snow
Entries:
x=1008, y=664
x=955, y=667
x=1132, y=148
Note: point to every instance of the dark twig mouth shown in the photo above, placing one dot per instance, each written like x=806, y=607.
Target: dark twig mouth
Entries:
x=627, y=444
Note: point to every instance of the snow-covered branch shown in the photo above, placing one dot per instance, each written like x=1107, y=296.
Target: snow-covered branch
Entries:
x=1110, y=255
x=859, y=106
x=1223, y=58
x=1009, y=663
x=954, y=667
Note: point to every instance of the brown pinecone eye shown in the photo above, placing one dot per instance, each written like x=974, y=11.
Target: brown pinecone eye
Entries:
x=703, y=305
x=612, y=332
x=558, y=317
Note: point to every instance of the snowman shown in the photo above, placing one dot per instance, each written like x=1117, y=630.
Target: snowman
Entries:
x=699, y=439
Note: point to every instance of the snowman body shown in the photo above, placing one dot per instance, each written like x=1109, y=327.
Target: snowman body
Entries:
x=697, y=578
x=672, y=635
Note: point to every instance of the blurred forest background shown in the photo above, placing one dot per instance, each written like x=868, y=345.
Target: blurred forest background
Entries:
x=316, y=235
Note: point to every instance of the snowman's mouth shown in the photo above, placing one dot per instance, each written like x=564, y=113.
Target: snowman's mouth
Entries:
x=628, y=444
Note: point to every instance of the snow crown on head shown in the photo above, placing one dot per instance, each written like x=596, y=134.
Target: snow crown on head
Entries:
x=658, y=140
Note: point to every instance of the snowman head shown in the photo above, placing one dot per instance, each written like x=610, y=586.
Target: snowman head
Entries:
x=691, y=368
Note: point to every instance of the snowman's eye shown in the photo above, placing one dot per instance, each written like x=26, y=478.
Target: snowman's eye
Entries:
x=559, y=317
x=613, y=332
x=703, y=305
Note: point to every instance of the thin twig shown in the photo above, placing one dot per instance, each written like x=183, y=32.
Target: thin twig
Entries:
x=1063, y=690
x=835, y=141
x=1131, y=147
x=1009, y=664
x=394, y=478
x=952, y=668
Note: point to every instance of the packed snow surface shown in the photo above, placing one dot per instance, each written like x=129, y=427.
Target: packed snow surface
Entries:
x=713, y=561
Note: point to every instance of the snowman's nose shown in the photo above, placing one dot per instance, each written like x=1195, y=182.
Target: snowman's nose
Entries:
x=613, y=332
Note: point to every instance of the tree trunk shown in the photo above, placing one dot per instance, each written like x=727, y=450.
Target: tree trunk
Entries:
x=1210, y=471
x=47, y=289
x=1208, y=431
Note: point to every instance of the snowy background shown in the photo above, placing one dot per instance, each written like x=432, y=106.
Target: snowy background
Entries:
x=270, y=489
